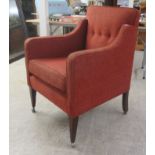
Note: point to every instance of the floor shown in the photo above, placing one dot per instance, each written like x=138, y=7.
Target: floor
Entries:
x=101, y=131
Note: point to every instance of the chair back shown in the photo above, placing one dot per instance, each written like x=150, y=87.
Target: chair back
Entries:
x=104, y=24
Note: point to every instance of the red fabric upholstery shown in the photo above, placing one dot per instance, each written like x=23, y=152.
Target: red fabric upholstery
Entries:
x=58, y=46
x=104, y=24
x=79, y=71
x=51, y=71
x=96, y=75
x=54, y=95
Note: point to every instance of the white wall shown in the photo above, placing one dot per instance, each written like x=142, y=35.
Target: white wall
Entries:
x=84, y=1
x=131, y=2
x=44, y=18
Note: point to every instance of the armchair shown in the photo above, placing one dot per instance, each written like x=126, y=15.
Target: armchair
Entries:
x=87, y=67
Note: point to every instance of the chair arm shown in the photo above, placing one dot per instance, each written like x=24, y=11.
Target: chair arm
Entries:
x=55, y=46
x=96, y=75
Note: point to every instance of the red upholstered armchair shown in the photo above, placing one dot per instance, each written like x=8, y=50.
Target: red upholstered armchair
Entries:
x=86, y=67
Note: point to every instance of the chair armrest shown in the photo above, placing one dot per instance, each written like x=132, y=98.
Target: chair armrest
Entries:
x=96, y=75
x=58, y=46
x=55, y=46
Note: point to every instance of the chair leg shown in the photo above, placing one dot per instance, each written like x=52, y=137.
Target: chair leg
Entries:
x=33, y=99
x=73, y=122
x=125, y=102
x=144, y=57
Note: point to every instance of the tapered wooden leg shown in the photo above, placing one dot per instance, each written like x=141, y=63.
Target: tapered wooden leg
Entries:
x=73, y=122
x=125, y=102
x=33, y=99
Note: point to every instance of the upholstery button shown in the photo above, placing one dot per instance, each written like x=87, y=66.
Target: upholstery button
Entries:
x=92, y=32
x=100, y=33
x=108, y=34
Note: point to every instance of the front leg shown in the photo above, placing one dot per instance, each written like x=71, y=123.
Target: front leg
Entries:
x=125, y=102
x=33, y=98
x=73, y=122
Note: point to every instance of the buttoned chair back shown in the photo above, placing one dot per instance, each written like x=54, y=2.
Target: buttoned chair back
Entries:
x=104, y=24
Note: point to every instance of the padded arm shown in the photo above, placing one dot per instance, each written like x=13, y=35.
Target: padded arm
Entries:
x=41, y=47
x=96, y=75
x=46, y=47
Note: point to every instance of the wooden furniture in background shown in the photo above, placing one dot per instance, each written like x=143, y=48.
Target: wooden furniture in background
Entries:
x=141, y=37
x=67, y=22
x=111, y=2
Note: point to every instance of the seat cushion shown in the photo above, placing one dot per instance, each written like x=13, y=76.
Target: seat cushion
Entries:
x=51, y=71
